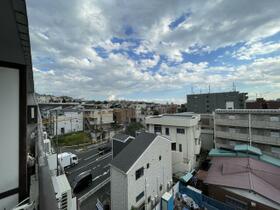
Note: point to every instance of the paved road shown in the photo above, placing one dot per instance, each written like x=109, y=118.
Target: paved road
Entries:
x=90, y=159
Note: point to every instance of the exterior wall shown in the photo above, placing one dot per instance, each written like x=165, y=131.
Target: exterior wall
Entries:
x=100, y=116
x=207, y=139
x=232, y=127
x=260, y=103
x=124, y=116
x=186, y=159
x=70, y=121
x=220, y=194
x=9, y=129
x=158, y=173
x=208, y=102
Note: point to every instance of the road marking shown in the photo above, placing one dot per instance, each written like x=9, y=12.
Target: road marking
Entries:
x=108, y=165
x=97, y=177
x=92, y=156
x=97, y=159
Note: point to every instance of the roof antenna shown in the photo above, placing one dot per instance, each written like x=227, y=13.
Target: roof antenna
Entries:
x=209, y=88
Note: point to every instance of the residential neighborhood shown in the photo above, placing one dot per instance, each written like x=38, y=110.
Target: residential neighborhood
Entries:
x=139, y=105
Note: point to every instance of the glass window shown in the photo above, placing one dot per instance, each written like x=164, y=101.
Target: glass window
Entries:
x=157, y=128
x=173, y=146
x=181, y=130
x=167, y=131
x=139, y=173
x=159, y=157
x=148, y=165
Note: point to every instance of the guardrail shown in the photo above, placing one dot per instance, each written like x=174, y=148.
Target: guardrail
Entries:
x=92, y=191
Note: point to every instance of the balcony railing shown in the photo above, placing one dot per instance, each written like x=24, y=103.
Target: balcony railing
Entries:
x=244, y=123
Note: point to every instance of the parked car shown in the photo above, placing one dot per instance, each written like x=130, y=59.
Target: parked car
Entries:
x=82, y=181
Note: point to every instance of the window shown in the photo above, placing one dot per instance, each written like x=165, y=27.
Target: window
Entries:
x=274, y=134
x=149, y=199
x=167, y=131
x=157, y=128
x=148, y=165
x=274, y=119
x=138, y=197
x=173, y=146
x=180, y=147
x=181, y=130
x=159, y=157
x=139, y=173
x=160, y=187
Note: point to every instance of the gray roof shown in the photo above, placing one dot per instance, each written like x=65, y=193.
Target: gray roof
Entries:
x=130, y=154
x=121, y=137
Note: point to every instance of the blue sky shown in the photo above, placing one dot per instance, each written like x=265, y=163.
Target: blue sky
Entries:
x=154, y=50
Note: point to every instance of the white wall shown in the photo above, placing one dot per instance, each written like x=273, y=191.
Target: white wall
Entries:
x=118, y=190
x=159, y=172
x=186, y=160
x=70, y=121
x=9, y=130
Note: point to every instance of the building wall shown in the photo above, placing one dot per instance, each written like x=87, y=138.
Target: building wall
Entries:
x=70, y=121
x=100, y=116
x=158, y=173
x=220, y=194
x=185, y=160
x=232, y=127
x=9, y=129
x=124, y=116
x=208, y=102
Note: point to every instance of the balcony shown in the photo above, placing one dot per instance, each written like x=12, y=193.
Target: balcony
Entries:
x=228, y=122
x=233, y=136
x=266, y=140
x=266, y=125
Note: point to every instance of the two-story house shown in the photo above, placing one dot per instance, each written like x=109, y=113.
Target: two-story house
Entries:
x=183, y=130
x=141, y=173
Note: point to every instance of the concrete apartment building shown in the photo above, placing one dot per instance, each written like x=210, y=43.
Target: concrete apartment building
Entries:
x=261, y=127
x=140, y=180
x=124, y=116
x=68, y=121
x=183, y=130
x=207, y=131
x=208, y=102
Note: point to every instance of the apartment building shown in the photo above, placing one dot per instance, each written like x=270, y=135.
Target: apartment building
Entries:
x=207, y=131
x=258, y=127
x=208, y=102
x=124, y=115
x=141, y=173
x=183, y=130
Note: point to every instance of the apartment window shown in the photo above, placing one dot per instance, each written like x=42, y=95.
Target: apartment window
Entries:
x=139, y=173
x=180, y=147
x=181, y=130
x=167, y=131
x=159, y=157
x=148, y=165
x=138, y=197
x=157, y=128
x=173, y=146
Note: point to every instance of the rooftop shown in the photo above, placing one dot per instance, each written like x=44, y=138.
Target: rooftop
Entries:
x=121, y=137
x=130, y=154
x=247, y=111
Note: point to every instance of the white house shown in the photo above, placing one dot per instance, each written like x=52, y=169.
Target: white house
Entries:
x=183, y=130
x=141, y=173
x=68, y=122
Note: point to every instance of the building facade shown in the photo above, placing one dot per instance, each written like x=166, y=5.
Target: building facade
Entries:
x=141, y=180
x=183, y=130
x=124, y=115
x=68, y=122
x=208, y=102
x=207, y=131
x=261, y=103
x=261, y=127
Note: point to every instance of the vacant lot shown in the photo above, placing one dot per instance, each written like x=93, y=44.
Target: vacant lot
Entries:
x=74, y=139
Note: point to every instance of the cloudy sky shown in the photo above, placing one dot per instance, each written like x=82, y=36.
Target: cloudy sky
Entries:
x=157, y=50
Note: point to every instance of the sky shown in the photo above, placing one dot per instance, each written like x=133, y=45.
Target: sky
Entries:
x=155, y=50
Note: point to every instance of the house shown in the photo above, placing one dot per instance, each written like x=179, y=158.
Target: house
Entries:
x=141, y=173
x=119, y=142
x=244, y=178
x=258, y=127
x=183, y=130
x=70, y=120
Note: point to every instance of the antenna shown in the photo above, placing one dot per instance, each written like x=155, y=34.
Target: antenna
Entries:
x=209, y=88
x=233, y=86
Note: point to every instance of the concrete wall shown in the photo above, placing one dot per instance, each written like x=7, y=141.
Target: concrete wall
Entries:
x=70, y=121
x=9, y=130
x=158, y=173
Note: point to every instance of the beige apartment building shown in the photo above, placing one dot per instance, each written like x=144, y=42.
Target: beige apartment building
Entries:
x=258, y=127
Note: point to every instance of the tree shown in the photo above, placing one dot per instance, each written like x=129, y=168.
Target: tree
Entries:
x=133, y=127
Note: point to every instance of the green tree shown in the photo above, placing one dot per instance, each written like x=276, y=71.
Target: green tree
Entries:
x=133, y=127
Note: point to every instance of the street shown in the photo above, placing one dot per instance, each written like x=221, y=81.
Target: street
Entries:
x=90, y=159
